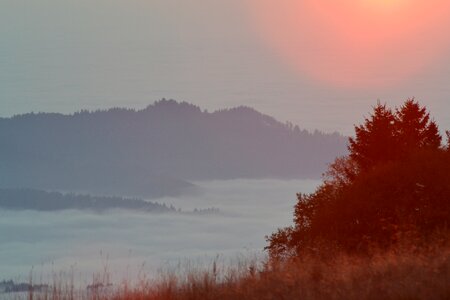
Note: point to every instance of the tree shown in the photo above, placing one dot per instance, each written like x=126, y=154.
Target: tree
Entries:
x=341, y=172
x=388, y=136
x=374, y=140
x=447, y=133
x=414, y=129
x=396, y=180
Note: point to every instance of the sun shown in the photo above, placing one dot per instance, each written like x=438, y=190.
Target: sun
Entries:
x=354, y=43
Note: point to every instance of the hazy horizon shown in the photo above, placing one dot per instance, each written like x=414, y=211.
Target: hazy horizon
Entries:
x=71, y=55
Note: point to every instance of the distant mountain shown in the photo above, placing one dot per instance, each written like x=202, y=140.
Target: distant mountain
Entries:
x=156, y=151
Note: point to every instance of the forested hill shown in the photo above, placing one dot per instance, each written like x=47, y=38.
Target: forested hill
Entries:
x=156, y=151
x=29, y=199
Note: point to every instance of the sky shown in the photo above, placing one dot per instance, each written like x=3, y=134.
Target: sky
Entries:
x=319, y=64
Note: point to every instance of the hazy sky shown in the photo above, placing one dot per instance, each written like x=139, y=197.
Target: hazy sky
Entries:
x=66, y=55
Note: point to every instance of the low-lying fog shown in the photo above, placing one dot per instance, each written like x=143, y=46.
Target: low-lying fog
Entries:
x=128, y=241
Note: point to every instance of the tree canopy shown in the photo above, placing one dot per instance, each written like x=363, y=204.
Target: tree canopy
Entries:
x=394, y=182
x=387, y=136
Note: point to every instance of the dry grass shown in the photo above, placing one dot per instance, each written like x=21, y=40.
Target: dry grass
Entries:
x=403, y=273
x=393, y=275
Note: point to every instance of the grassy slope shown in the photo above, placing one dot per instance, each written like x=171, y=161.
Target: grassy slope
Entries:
x=406, y=272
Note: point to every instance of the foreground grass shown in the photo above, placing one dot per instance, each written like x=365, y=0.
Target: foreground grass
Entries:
x=403, y=273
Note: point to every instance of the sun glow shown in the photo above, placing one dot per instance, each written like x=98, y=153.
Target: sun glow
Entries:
x=355, y=43
x=385, y=5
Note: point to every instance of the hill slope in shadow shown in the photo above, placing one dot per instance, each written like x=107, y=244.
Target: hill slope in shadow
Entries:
x=156, y=151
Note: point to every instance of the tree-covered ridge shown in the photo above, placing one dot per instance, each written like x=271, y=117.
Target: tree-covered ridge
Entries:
x=30, y=199
x=395, y=182
x=156, y=151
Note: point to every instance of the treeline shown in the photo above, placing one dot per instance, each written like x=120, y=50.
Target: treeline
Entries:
x=39, y=200
x=9, y=286
x=394, y=186
x=30, y=199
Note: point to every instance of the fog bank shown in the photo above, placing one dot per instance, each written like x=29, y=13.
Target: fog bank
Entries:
x=128, y=242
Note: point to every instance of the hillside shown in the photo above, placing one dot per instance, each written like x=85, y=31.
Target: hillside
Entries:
x=156, y=151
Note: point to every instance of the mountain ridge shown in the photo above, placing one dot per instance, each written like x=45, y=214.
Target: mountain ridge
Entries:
x=158, y=150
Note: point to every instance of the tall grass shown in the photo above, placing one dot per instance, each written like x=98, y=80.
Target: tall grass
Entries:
x=406, y=272
x=389, y=275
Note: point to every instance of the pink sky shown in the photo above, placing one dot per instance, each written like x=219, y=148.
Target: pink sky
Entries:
x=355, y=43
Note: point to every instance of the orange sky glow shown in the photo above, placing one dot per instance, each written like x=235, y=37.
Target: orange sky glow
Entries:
x=355, y=43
